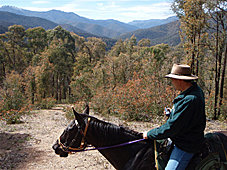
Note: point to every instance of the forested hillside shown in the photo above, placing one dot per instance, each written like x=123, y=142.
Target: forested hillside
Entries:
x=26, y=21
x=167, y=33
x=41, y=67
x=7, y=19
x=152, y=22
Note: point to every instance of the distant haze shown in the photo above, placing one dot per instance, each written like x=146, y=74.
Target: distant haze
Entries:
x=121, y=10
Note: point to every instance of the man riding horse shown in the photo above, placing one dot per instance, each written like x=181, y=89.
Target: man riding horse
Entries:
x=187, y=120
x=126, y=149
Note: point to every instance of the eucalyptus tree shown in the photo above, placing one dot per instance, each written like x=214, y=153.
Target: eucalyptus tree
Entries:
x=193, y=19
x=217, y=14
x=61, y=54
x=121, y=59
x=204, y=36
x=89, y=59
x=112, y=64
x=13, y=49
x=144, y=42
x=2, y=62
x=37, y=40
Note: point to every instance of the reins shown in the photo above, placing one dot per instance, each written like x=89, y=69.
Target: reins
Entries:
x=74, y=150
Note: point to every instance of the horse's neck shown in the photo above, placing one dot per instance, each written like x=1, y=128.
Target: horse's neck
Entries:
x=103, y=134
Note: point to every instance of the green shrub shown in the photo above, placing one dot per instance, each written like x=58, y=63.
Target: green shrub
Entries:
x=140, y=99
x=11, y=116
x=12, y=99
x=46, y=103
x=102, y=102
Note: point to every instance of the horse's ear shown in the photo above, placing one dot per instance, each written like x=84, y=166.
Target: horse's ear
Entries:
x=86, y=110
x=78, y=117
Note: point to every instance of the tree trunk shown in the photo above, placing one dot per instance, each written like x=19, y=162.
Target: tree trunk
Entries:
x=60, y=91
x=53, y=86
x=33, y=89
x=222, y=82
x=114, y=76
x=3, y=70
x=33, y=98
x=193, y=56
x=216, y=73
x=198, y=54
x=3, y=74
x=64, y=87
x=69, y=88
x=103, y=79
x=57, y=88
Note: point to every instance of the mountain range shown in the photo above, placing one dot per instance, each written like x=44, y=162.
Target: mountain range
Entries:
x=166, y=33
x=152, y=22
x=8, y=18
x=109, y=29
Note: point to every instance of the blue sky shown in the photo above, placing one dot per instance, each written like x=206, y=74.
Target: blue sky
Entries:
x=121, y=10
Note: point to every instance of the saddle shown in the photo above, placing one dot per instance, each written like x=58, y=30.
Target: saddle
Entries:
x=212, y=156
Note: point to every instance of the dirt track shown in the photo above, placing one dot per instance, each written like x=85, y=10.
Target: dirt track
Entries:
x=29, y=145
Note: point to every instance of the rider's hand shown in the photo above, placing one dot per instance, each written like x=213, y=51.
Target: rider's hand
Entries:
x=145, y=135
x=167, y=111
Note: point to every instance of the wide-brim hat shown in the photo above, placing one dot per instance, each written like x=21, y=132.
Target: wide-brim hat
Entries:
x=182, y=72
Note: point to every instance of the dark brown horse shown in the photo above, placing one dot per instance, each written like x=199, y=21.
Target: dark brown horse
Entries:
x=87, y=130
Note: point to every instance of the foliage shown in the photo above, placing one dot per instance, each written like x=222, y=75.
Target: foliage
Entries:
x=102, y=103
x=13, y=49
x=12, y=93
x=47, y=67
x=138, y=99
x=12, y=100
x=203, y=35
x=13, y=116
x=46, y=103
x=166, y=33
x=37, y=40
x=135, y=100
x=90, y=56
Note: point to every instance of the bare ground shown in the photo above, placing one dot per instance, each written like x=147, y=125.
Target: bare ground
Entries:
x=29, y=145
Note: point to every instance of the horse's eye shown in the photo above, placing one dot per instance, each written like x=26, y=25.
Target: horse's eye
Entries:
x=70, y=127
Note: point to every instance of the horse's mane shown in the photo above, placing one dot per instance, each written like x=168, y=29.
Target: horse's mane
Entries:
x=105, y=130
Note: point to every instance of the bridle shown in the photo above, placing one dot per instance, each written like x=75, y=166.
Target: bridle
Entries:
x=82, y=143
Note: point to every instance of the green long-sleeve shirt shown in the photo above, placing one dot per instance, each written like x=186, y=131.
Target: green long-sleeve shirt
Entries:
x=187, y=121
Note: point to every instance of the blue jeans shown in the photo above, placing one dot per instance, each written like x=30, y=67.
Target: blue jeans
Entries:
x=178, y=159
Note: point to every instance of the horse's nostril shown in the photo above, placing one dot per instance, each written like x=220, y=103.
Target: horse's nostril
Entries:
x=55, y=146
x=59, y=151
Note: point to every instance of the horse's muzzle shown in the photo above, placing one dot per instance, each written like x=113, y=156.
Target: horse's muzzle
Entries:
x=59, y=151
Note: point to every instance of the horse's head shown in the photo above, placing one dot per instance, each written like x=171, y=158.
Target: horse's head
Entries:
x=73, y=137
